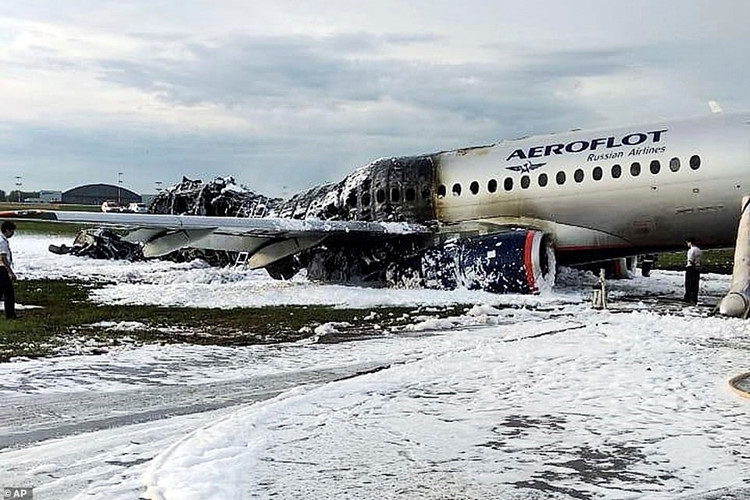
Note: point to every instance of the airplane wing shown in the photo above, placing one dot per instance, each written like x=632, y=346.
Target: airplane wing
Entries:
x=265, y=239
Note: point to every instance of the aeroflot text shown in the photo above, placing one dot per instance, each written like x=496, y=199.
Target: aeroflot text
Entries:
x=610, y=142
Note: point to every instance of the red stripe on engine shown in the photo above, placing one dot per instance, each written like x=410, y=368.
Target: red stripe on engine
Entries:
x=527, y=261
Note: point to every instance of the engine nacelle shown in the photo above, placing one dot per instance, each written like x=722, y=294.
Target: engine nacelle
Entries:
x=513, y=261
x=516, y=261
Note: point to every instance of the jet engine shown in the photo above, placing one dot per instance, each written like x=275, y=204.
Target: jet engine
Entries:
x=514, y=261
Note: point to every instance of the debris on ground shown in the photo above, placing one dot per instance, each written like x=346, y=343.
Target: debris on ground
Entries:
x=220, y=197
x=100, y=243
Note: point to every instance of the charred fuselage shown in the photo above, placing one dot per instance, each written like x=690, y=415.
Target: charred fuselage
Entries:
x=389, y=189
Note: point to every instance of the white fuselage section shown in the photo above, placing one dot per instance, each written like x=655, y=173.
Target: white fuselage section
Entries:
x=645, y=186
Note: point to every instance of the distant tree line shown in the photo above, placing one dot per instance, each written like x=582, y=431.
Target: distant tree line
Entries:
x=17, y=195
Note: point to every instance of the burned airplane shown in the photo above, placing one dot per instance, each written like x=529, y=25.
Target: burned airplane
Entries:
x=496, y=218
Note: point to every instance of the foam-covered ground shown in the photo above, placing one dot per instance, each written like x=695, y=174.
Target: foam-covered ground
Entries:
x=549, y=400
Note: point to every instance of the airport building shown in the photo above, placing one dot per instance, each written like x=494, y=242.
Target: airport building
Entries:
x=96, y=194
x=46, y=196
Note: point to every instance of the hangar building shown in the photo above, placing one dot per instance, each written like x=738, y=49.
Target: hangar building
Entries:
x=96, y=194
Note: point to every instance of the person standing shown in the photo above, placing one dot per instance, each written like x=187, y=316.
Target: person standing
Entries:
x=7, y=276
x=692, y=271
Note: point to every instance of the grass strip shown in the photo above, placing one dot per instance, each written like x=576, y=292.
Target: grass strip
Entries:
x=66, y=317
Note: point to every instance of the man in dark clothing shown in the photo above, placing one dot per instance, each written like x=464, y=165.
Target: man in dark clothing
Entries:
x=692, y=271
x=7, y=276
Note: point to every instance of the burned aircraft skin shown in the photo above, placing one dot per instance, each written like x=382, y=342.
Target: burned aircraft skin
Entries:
x=402, y=189
x=100, y=243
x=388, y=189
x=398, y=190
x=220, y=197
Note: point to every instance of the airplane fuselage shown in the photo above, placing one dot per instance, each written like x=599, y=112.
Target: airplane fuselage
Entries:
x=646, y=187
x=488, y=217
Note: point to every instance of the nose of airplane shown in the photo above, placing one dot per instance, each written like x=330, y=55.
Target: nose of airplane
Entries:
x=734, y=304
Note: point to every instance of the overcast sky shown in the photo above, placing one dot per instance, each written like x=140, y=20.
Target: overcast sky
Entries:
x=284, y=94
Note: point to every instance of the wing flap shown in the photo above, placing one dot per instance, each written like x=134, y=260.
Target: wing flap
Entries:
x=279, y=249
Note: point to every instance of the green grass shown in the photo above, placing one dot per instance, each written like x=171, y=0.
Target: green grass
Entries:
x=718, y=261
x=66, y=316
x=46, y=227
x=7, y=205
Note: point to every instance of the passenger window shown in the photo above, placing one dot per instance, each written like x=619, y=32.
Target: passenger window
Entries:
x=456, y=189
x=597, y=173
x=655, y=167
x=560, y=178
x=616, y=171
x=380, y=196
x=508, y=183
x=426, y=193
x=695, y=162
x=474, y=187
x=525, y=181
x=351, y=200
x=395, y=195
x=410, y=194
x=674, y=164
x=441, y=191
x=492, y=186
x=578, y=176
x=635, y=169
x=366, y=199
x=542, y=180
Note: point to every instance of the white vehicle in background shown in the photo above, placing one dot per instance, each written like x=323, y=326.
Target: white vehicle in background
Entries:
x=111, y=206
x=138, y=208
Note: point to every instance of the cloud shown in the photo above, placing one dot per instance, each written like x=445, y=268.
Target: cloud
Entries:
x=314, y=92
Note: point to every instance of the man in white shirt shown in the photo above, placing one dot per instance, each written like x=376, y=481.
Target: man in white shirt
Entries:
x=7, y=276
x=692, y=271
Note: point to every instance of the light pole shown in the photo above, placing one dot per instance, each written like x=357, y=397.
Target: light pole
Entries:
x=19, y=183
x=119, y=187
